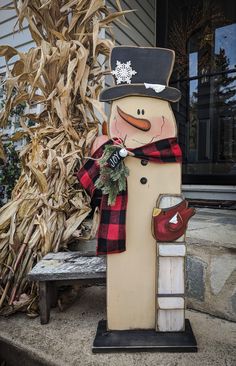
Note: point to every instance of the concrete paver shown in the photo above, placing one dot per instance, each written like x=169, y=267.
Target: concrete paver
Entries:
x=213, y=227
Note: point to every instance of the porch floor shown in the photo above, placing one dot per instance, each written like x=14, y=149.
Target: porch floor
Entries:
x=67, y=339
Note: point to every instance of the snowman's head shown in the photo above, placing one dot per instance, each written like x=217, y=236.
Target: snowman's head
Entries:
x=141, y=120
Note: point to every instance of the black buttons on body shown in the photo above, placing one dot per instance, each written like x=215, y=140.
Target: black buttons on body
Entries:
x=144, y=162
x=143, y=180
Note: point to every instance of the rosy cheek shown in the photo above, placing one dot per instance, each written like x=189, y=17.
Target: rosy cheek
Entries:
x=163, y=127
x=120, y=128
x=114, y=130
x=169, y=128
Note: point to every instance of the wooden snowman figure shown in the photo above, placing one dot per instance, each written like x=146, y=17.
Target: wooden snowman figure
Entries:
x=142, y=231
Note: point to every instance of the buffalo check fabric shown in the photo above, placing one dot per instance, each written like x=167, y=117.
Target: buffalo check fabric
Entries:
x=111, y=231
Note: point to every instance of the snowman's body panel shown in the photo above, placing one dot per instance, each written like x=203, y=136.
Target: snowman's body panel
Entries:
x=131, y=275
x=140, y=114
x=146, y=279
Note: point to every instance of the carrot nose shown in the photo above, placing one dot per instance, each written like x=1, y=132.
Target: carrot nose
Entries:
x=140, y=123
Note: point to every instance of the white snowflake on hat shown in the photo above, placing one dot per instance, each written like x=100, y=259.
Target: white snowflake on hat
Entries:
x=123, y=72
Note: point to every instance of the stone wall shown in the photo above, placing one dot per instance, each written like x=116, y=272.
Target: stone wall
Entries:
x=211, y=264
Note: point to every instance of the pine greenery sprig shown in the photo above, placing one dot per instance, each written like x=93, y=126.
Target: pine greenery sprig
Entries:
x=111, y=181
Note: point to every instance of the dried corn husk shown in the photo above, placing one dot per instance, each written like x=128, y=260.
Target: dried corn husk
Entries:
x=63, y=75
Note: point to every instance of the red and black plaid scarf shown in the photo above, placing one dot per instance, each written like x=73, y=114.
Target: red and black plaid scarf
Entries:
x=111, y=232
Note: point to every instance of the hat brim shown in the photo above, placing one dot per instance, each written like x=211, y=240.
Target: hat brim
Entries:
x=119, y=91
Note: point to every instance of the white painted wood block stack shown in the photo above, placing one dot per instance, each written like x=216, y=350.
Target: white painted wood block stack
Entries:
x=170, y=278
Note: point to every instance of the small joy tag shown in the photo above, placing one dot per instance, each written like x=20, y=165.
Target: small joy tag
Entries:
x=114, y=159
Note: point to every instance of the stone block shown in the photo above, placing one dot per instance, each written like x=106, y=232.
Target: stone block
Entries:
x=233, y=303
x=221, y=269
x=211, y=279
x=195, y=278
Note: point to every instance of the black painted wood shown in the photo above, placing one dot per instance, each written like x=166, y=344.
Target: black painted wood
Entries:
x=162, y=23
x=143, y=340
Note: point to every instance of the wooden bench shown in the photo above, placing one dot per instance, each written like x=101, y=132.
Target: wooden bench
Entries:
x=64, y=268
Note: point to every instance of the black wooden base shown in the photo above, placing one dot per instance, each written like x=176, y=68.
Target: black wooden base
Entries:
x=143, y=340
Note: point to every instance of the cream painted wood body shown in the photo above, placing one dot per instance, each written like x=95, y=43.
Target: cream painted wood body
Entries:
x=131, y=275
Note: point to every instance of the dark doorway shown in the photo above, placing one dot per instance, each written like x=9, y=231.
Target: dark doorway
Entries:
x=203, y=35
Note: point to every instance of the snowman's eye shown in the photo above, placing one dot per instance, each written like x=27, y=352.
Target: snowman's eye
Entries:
x=143, y=111
x=138, y=111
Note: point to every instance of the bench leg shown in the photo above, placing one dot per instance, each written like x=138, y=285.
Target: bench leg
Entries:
x=44, y=301
x=53, y=294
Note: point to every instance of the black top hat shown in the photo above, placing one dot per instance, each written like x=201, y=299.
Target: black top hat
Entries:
x=141, y=71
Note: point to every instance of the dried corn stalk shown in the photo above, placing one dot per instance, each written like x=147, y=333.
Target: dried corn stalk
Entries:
x=63, y=74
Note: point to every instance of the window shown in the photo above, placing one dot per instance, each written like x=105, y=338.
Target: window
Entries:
x=203, y=35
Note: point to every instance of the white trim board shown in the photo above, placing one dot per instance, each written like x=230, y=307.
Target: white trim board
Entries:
x=209, y=192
